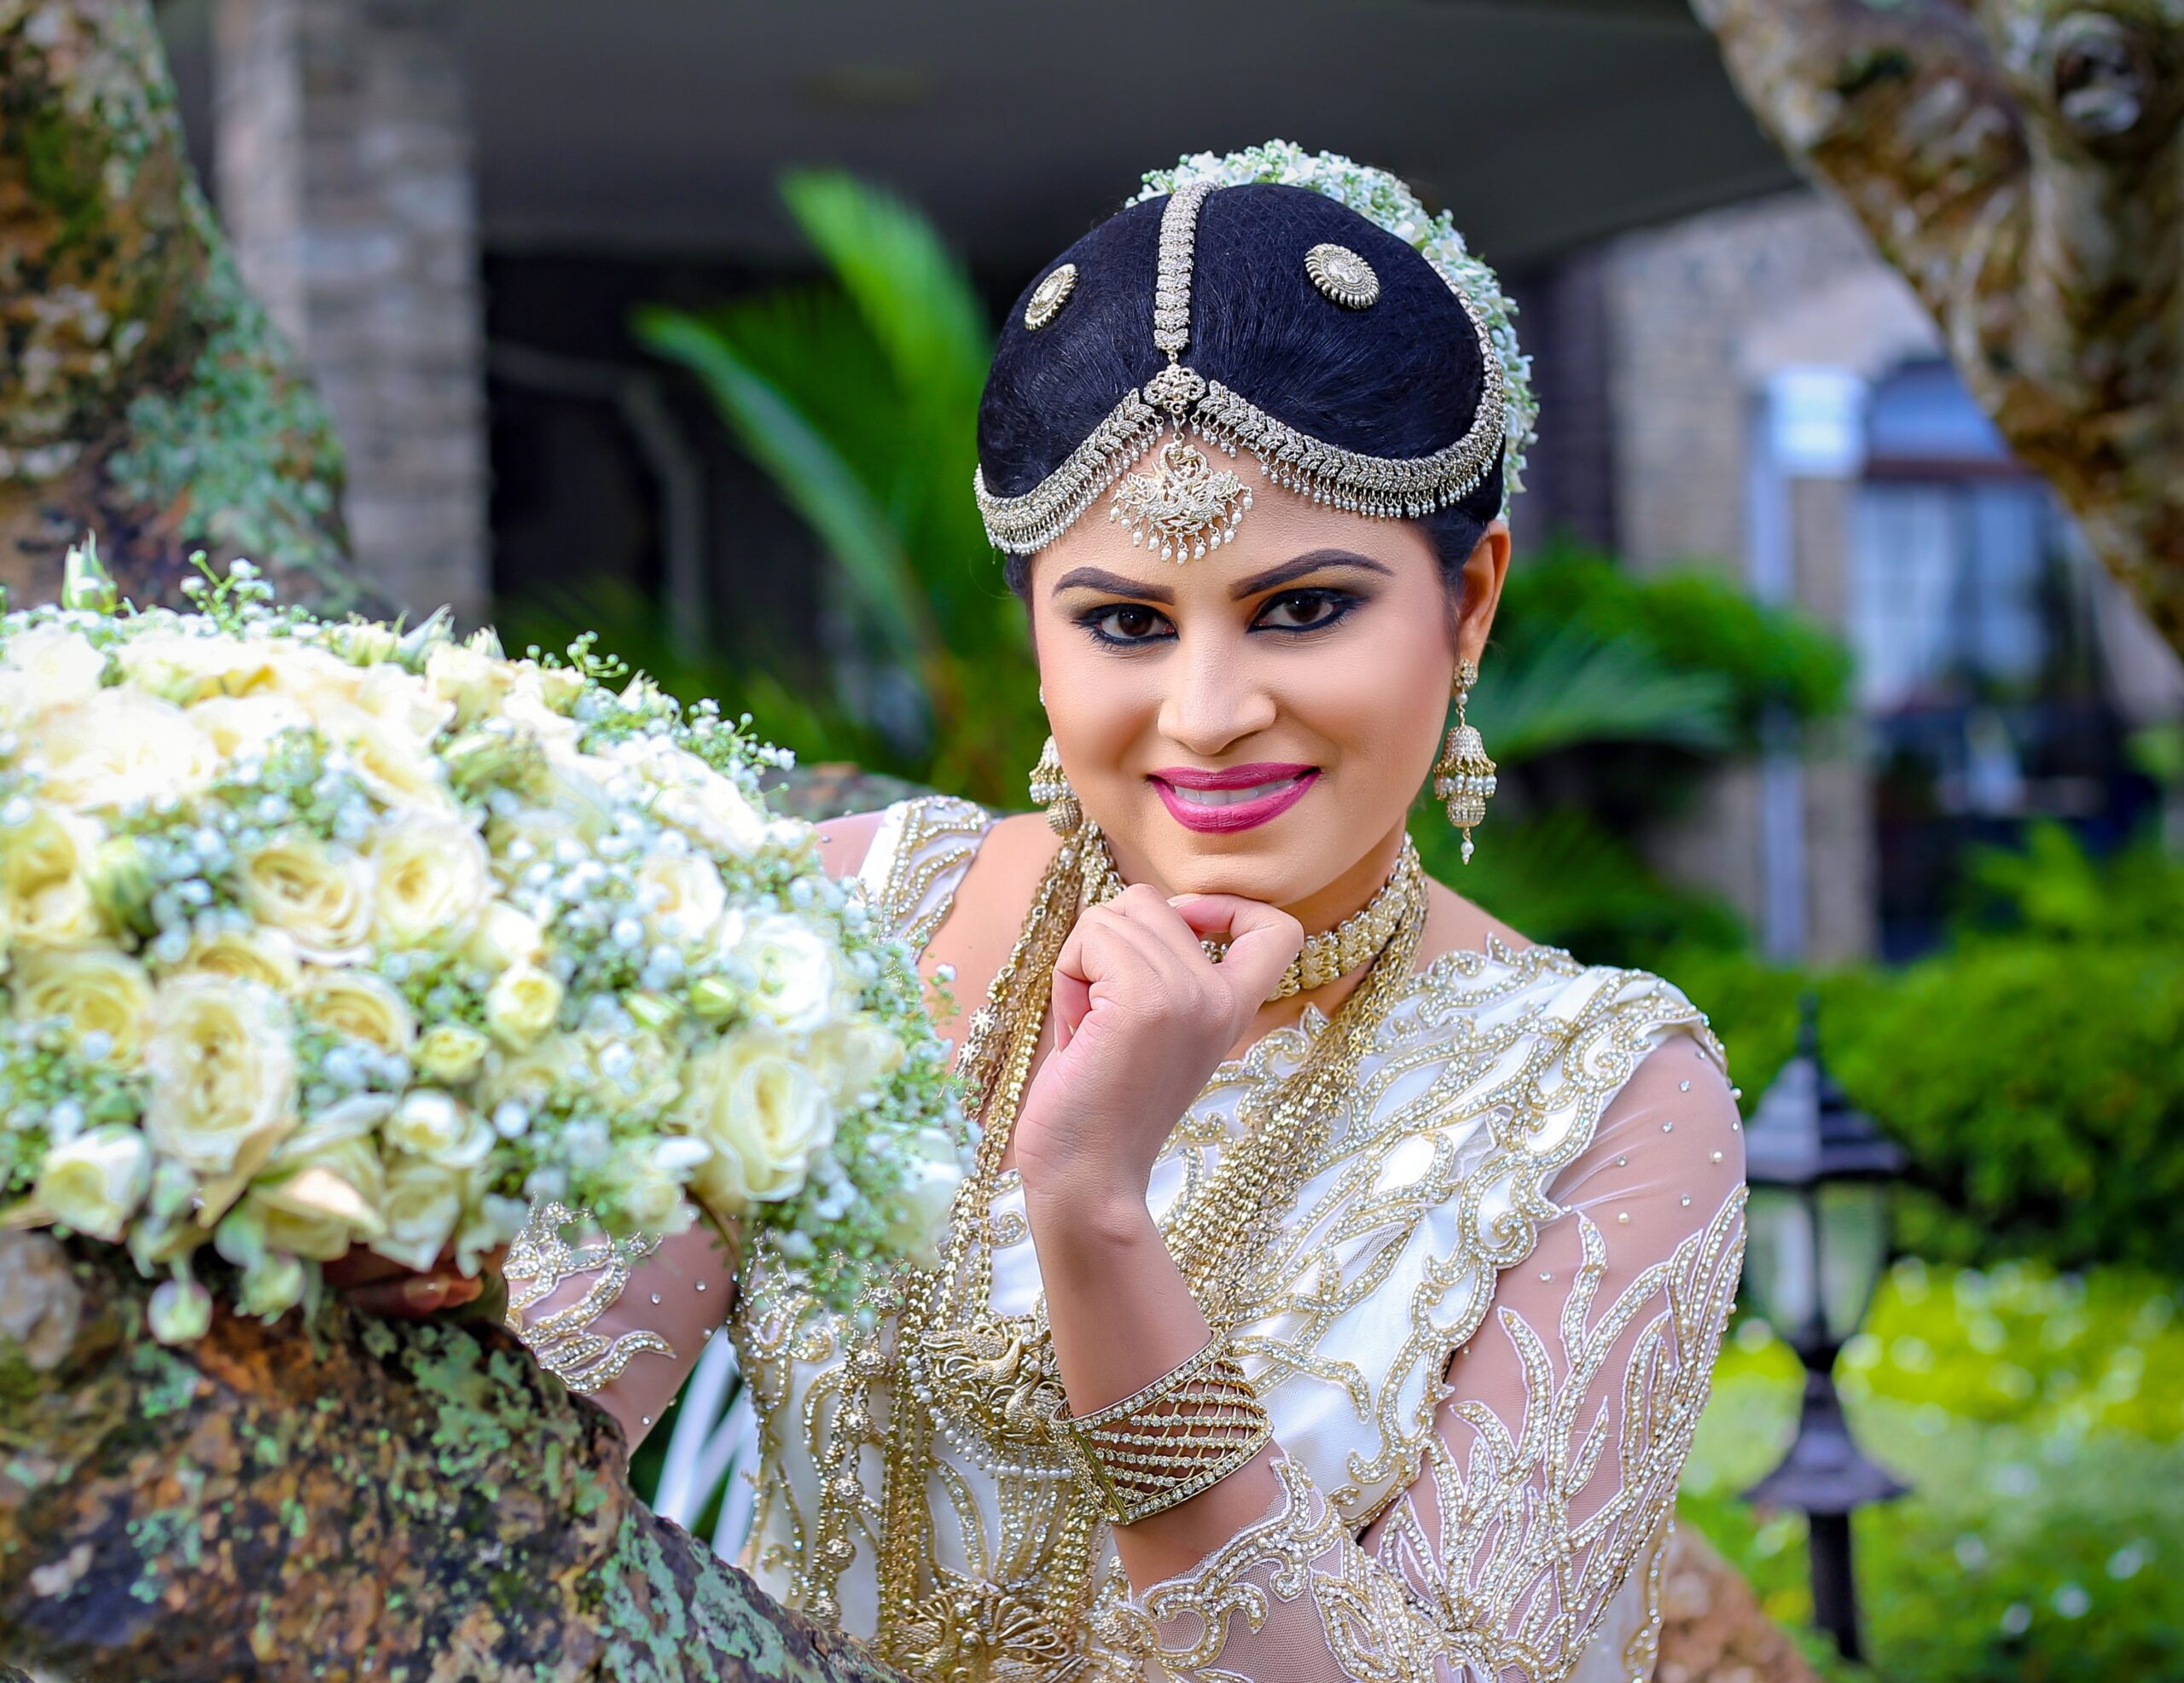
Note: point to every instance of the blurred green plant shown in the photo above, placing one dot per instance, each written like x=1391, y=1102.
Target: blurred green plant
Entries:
x=2037, y=1417
x=859, y=398
x=2031, y=1069
x=1605, y=698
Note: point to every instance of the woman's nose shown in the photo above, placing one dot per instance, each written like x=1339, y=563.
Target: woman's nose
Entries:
x=1218, y=701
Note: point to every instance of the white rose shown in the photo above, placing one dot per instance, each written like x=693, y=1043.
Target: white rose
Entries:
x=322, y=1190
x=917, y=1214
x=430, y=1124
x=404, y=700
x=223, y=1069
x=528, y=707
x=430, y=881
x=45, y=871
x=793, y=972
x=119, y=746
x=95, y=1182
x=399, y=770
x=521, y=1005
x=96, y=989
x=451, y=1052
x=762, y=1113
x=684, y=894
x=262, y=955
x=237, y=725
x=422, y=1207
x=854, y=1057
x=698, y=800
x=505, y=935
x=360, y=1005
x=649, y=1196
x=471, y=681
x=320, y=897
x=181, y=668
x=531, y=1077
x=49, y=666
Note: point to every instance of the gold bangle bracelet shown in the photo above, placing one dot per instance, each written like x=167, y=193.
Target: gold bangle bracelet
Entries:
x=1183, y=1434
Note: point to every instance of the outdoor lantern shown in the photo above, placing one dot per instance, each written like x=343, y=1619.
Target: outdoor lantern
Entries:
x=1817, y=1243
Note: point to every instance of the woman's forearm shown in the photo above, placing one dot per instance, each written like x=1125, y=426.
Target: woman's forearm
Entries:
x=1122, y=1316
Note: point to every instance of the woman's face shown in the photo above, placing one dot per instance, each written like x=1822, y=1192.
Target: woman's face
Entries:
x=1258, y=720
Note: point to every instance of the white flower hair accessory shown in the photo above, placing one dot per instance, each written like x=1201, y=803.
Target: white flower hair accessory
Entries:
x=1383, y=199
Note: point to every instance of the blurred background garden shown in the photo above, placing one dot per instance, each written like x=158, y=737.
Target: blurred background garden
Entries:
x=669, y=322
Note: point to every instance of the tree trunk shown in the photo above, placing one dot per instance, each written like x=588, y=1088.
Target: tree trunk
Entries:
x=352, y=1498
x=2022, y=163
x=146, y=396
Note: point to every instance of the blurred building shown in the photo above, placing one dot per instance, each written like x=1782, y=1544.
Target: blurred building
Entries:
x=452, y=208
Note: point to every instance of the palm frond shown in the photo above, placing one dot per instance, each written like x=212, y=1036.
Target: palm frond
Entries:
x=1573, y=687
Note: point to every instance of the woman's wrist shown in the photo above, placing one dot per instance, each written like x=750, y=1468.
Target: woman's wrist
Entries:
x=1090, y=1215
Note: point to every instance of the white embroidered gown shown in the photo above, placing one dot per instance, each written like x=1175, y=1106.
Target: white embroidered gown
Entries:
x=1484, y=1337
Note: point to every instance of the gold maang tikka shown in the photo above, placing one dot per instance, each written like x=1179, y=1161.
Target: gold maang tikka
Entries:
x=1187, y=506
x=1463, y=776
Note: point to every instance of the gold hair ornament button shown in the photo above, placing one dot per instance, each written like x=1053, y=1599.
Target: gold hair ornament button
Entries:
x=1342, y=276
x=1048, y=296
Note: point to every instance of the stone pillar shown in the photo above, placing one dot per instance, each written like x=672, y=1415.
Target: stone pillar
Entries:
x=342, y=162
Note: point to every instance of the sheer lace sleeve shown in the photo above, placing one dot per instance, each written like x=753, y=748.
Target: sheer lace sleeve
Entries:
x=1557, y=1451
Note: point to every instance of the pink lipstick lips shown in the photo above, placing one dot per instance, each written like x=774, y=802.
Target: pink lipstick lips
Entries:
x=1235, y=797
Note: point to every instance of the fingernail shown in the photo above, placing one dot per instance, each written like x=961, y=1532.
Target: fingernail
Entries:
x=424, y=1294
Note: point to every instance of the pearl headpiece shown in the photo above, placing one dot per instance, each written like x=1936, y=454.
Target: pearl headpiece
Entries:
x=1186, y=504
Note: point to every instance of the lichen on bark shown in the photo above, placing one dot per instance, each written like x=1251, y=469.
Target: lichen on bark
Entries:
x=150, y=398
x=336, y=1498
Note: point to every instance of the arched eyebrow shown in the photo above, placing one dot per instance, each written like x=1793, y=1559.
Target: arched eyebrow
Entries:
x=1099, y=578
x=1316, y=560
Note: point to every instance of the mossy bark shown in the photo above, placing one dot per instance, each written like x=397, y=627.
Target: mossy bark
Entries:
x=352, y=1499
x=2022, y=163
x=146, y=396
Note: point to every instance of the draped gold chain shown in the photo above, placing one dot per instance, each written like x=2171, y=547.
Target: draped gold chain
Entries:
x=986, y=1383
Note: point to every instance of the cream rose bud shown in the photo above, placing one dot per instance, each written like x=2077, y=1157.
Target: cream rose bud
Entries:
x=451, y=1052
x=266, y=956
x=472, y=681
x=521, y=1005
x=94, y=989
x=430, y=881
x=505, y=935
x=685, y=895
x=433, y=1125
x=272, y=1286
x=320, y=897
x=854, y=1057
x=119, y=747
x=45, y=883
x=761, y=1112
x=360, y=1005
x=181, y=668
x=399, y=770
x=95, y=1182
x=245, y=725
x=223, y=1071
x=423, y=1208
x=181, y=1312
x=793, y=972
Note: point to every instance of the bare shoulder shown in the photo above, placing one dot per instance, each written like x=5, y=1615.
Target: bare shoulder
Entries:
x=981, y=926
x=1453, y=923
x=844, y=841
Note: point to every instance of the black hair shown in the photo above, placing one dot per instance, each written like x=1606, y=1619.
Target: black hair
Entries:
x=1400, y=378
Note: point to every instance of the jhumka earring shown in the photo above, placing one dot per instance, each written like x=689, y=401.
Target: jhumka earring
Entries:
x=1464, y=776
x=1051, y=789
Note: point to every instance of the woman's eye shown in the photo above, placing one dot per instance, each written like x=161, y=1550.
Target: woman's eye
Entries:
x=1126, y=622
x=1303, y=611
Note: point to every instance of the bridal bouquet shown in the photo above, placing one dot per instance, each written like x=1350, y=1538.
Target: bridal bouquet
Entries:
x=318, y=935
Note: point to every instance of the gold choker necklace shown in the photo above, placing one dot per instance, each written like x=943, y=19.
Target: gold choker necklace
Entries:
x=1350, y=945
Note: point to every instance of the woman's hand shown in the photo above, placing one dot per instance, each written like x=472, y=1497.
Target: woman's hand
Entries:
x=374, y=1285
x=1142, y=1018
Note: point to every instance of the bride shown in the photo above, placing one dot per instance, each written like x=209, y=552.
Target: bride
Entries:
x=1340, y=1279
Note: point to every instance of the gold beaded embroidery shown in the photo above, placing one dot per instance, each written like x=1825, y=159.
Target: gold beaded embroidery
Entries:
x=538, y=1261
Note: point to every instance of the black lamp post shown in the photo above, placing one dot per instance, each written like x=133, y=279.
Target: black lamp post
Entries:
x=1818, y=1223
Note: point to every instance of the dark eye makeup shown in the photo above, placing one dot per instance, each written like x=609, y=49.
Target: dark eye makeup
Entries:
x=1298, y=612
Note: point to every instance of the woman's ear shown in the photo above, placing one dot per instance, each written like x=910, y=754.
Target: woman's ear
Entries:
x=1484, y=570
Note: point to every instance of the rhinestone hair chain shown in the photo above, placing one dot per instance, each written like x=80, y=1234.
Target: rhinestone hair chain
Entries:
x=1186, y=505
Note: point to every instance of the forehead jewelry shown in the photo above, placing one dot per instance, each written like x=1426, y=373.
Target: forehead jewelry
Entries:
x=1186, y=506
x=1181, y=503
